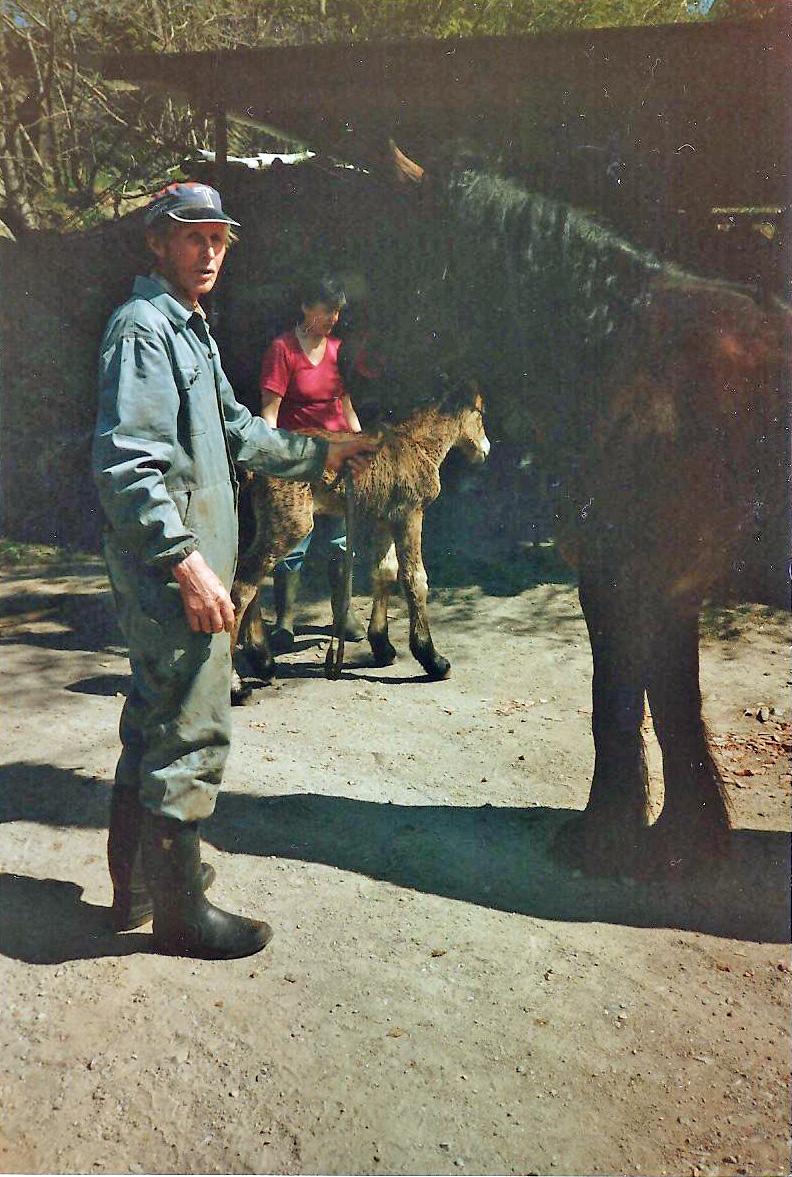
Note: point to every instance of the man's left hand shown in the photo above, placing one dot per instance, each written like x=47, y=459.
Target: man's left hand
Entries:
x=357, y=452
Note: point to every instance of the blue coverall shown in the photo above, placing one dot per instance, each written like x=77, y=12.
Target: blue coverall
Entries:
x=168, y=434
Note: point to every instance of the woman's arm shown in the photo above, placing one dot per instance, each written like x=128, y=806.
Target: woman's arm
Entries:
x=350, y=414
x=270, y=405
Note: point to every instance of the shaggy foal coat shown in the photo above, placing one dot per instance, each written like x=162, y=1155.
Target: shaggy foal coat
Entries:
x=390, y=498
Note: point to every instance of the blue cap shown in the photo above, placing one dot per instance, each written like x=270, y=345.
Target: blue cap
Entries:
x=187, y=201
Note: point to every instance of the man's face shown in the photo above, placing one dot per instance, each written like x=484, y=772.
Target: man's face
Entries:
x=191, y=256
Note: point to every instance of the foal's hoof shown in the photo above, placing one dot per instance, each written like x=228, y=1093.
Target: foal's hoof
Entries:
x=281, y=640
x=259, y=663
x=424, y=653
x=241, y=692
x=382, y=653
x=437, y=668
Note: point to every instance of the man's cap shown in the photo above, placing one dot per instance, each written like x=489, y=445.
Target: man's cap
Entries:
x=187, y=201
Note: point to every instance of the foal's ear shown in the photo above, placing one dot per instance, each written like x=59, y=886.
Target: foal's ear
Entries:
x=404, y=169
x=447, y=390
x=457, y=393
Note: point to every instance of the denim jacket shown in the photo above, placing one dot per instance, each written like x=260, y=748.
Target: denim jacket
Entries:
x=168, y=434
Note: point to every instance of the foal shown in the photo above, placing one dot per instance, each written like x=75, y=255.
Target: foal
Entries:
x=390, y=498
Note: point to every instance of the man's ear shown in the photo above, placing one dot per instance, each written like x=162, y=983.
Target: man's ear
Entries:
x=156, y=245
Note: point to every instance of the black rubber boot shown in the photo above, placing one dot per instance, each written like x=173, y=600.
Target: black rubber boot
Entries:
x=132, y=904
x=285, y=588
x=185, y=922
x=353, y=628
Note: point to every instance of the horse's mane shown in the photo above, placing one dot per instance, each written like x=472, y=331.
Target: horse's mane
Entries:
x=555, y=259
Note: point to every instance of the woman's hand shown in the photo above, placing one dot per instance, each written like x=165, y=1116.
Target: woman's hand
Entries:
x=207, y=604
x=350, y=414
x=357, y=452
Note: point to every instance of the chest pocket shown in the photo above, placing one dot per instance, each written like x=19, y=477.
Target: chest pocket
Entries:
x=196, y=403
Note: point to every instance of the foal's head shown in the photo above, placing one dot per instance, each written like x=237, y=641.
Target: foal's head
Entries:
x=463, y=402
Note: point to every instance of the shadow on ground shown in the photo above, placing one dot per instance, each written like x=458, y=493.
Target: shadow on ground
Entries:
x=46, y=921
x=83, y=621
x=495, y=857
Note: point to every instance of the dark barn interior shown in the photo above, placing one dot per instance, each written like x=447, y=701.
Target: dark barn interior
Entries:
x=677, y=136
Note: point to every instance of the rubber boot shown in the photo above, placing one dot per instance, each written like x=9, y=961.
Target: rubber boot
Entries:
x=185, y=922
x=132, y=904
x=285, y=587
x=353, y=628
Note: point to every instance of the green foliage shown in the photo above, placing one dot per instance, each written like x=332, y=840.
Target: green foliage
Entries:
x=15, y=554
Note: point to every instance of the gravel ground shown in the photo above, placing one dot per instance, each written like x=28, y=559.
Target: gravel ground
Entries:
x=439, y=997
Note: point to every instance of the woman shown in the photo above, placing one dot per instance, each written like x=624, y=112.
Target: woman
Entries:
x=302, y=389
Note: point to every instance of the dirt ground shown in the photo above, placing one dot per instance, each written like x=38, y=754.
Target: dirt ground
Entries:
x=440, y=997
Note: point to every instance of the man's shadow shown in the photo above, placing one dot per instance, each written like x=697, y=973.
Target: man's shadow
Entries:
x=46, y=921
x=493, y=856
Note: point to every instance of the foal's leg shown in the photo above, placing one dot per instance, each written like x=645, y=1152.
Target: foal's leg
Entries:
x=254, y=640
x=407, y=535
x=384, y=574
x=283, y=513
x=694, y=824
x=607, y=838
x=244, y=594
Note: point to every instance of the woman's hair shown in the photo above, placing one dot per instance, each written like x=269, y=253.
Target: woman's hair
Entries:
x=328, y=290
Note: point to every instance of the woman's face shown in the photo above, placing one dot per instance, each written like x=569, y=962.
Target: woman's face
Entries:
x=319, y=318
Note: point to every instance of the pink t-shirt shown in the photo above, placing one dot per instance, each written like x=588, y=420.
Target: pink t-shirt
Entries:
x=311, y=392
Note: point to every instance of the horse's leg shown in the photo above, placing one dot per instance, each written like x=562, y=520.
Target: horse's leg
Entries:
x=694, y=824
x=606, y=838
x=384, y=574
x=407, y=534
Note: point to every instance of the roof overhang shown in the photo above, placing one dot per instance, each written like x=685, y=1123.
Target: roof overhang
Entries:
x=343, y=99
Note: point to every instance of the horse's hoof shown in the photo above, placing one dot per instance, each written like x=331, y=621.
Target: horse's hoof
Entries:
x=675, y=852
x=595, y=849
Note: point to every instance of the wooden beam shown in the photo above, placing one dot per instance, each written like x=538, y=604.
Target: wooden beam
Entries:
x=221, y=136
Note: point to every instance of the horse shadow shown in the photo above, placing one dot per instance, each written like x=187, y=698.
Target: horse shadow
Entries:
x=496, y=857
x=499, y=857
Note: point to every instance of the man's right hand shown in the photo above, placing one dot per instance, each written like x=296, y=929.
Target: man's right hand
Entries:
x=207, y=605
x=357, y=452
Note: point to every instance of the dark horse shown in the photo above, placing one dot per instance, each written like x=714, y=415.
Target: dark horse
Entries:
x=662, y=401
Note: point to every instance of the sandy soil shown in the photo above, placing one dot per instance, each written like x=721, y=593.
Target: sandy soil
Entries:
x=439, y=997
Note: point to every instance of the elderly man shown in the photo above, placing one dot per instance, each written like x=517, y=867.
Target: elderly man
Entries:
x=168, y=436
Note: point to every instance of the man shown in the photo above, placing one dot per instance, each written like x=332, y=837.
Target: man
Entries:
x=168, y=434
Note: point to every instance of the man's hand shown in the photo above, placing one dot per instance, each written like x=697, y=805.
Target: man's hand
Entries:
x=357, y=452
x=207, y=606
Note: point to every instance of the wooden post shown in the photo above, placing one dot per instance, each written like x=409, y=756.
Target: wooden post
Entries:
x=221, y=137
